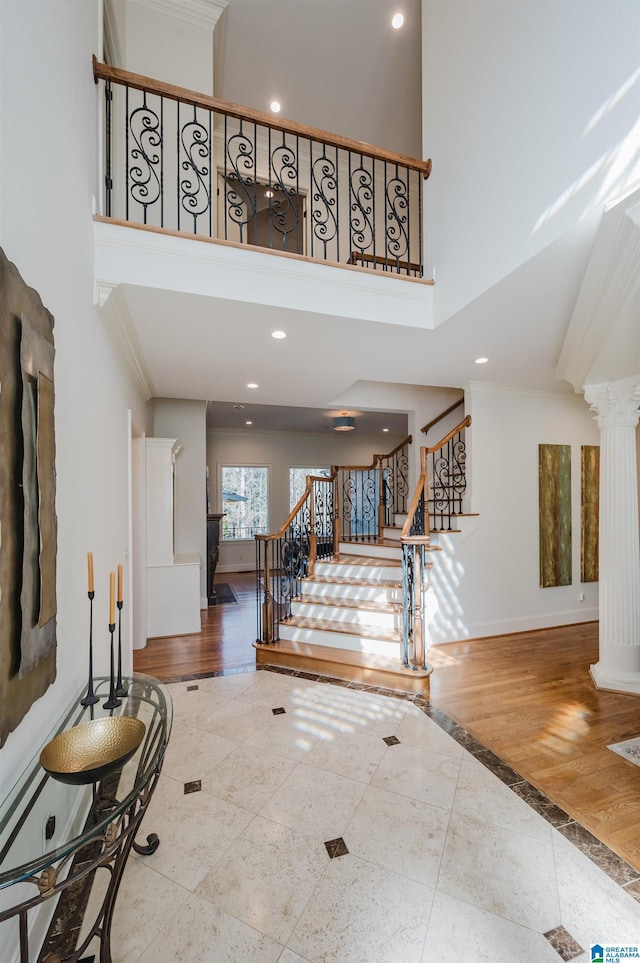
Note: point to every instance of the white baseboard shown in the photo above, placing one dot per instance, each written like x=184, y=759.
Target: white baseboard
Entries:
x=236, y=567
x=527, y=623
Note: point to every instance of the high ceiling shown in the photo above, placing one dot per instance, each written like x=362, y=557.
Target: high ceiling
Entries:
x=308, y=53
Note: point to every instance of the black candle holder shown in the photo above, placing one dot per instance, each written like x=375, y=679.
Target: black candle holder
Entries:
x=121, y=688
x=112, y=702
x=91, y=698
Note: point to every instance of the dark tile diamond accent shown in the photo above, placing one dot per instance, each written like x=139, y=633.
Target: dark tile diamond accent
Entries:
x=391, y=740
x=194, y=786
x=336, y=847
x=192, y=688
x=563, y=943
x=279, y=711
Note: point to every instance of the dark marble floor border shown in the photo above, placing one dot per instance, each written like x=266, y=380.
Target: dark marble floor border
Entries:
x=604, y=858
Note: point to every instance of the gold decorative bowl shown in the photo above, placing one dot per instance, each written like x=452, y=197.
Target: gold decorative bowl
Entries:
x=89, y=751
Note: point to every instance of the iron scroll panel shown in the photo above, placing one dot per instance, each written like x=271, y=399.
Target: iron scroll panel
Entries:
x=180, y=165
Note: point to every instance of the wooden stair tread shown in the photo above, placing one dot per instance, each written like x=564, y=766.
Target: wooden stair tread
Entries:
x=343, y=664
x=371, y=560
x=343, y=628
x=345, y=602
x=345, y=580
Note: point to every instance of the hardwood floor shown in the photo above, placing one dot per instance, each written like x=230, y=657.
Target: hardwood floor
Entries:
x=527, y=697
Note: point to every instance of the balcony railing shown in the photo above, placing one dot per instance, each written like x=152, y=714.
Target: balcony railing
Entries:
x=186, y=162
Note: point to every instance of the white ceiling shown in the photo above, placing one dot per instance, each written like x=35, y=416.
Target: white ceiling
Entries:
x=225, y=414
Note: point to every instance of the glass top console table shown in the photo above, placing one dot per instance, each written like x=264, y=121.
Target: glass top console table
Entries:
x=56, y=838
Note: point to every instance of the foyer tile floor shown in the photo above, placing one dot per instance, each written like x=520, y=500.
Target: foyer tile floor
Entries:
x=315, y=837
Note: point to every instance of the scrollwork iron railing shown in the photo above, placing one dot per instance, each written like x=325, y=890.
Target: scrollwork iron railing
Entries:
x=288, y=556
x=184, y=161
x=370, y=495
x=448, y=477
x=432, y=508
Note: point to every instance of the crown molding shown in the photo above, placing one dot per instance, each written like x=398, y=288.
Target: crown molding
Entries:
x=200, y=13
x=572, y=399
x=610, y=281
x=114, y=311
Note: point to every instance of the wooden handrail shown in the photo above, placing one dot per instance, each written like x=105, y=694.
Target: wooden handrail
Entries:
x=294, y=511
x=454, y=431
x=415, y=501
x=376, y=458
x=140, y=82
x=443, y=414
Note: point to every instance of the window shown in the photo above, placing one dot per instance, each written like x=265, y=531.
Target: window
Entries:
x=298, y=481
x=245, y=501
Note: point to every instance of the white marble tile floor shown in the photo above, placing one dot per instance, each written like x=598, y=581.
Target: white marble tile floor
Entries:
x=443, y=860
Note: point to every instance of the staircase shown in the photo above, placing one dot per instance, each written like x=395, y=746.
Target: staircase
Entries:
x=347, y=620
x=343, y=585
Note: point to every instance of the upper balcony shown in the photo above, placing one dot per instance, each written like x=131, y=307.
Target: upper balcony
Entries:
x=343, y=218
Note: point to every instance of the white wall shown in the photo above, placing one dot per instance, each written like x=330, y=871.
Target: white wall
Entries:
x=48, y=174
x=167, y=48
x=281, y=450
x=186, y=421
x=519, y=163
x=486, y=580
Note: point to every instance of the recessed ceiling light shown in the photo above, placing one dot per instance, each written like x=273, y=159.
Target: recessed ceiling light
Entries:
x=275, y=106
x=248, y=422
x=278, y=335
x=385, y=429
x=397, y=21
x=252, y=384
x=268, y=193
x=481, y=360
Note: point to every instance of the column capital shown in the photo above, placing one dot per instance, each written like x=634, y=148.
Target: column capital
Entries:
x=615, y=403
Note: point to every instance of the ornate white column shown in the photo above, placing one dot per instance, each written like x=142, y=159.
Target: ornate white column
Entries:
x=616, y=407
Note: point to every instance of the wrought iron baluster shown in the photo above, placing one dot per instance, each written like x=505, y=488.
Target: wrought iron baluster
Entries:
x=108, y=96
x=397, y=238
x=361, y=228
x=324, y=200
x=161, y=185
x=196, y=165
x=226, y=224
x=211, y=201
x=408, y=183
x=126, y=158
x=421, y=253
x=284, y=163
x=178, y=205
x=145, y=126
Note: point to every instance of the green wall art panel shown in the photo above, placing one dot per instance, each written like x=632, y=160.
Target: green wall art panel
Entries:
x=554, y=505
x=589, y=512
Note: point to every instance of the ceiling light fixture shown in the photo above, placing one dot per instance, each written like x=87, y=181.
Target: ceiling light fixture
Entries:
x=278, y=335
x=481, y=360
x=248, y=422
x=344, y=423
x=252, y=384
x=397, y=21
x=239, y=407
x=275, y=106
x=268, y=193
x=385, y=429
